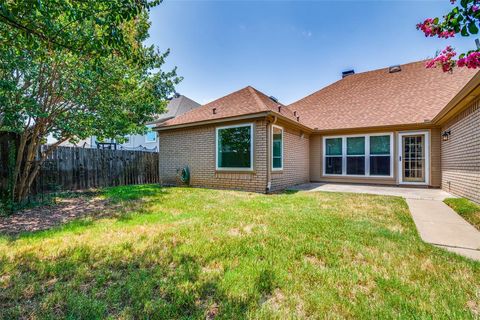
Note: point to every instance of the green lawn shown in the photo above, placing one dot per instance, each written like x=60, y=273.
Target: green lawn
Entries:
x=469, y=210
x=195, y=253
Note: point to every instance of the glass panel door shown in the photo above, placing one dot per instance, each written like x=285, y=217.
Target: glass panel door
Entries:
x=413, y=158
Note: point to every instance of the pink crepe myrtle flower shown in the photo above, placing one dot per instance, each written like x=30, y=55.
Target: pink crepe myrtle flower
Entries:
x=471, y=60
x=443, y=60
x=430, y=29
x=475, y=8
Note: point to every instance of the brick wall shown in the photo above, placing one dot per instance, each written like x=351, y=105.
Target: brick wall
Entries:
x=461, y=154
x=195, y=148
x=296, y=160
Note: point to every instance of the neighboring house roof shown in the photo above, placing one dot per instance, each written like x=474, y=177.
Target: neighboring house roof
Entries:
x=379, y=98
x=242, y=102
x=177, y=106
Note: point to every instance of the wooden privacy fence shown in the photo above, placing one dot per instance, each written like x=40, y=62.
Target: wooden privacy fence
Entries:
x=72, y=168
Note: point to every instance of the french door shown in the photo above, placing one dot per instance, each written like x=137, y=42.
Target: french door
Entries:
x=413, y=157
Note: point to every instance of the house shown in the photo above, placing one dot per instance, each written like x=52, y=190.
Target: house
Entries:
x=403, y=125
x=178, y=105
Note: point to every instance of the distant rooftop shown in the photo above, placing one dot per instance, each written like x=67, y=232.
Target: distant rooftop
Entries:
x=177, y=106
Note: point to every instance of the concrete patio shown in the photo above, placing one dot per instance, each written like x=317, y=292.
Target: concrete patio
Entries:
x=407, y=193
x=436, y=222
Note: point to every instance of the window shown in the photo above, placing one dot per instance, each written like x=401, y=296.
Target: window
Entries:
x=359, y=155
x=277, y=148
x=356, y=156
x=380, y=155
x=151, y=135
x=235, y=147
x=333, y=156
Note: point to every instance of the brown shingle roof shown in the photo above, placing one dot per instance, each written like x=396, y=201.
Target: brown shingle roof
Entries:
x=380, y=98
x=242, y=102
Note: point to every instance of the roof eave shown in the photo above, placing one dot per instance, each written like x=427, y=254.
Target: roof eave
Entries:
x=469, y=92
x=235, y=118
x=400, y=126
x=212, y=121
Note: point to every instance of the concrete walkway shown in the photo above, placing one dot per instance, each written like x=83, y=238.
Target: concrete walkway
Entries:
x=439, y=225
x=436, y=222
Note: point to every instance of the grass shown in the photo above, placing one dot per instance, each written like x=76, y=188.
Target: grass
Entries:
x=469, y=210
x=187, y=253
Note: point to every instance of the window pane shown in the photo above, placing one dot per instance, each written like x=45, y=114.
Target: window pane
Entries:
x=333, y=147
x=356, y=165
x=277, y=148
x=333, y=165
x=277, y=162
x=234, y=145
x=380, y=165
x=356, y=146
x=380, y=145
x=151, y=136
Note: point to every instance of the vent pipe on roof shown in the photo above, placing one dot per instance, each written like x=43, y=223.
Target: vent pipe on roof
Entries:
x=214, y=110
x=395, y=68
x=279, y=108
x=347, y=73
x=294, y=113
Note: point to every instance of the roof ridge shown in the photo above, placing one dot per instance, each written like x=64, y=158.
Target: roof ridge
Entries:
x=257, y=98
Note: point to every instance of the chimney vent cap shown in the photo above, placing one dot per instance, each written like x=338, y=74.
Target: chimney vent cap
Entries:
x=347, y=73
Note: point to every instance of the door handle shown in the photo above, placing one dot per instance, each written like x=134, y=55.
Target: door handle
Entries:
x=400, y=158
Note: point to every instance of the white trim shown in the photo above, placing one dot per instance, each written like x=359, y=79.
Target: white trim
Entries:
x=281, y=149
x=366, y=155
x=217, y=168
x=427, y=156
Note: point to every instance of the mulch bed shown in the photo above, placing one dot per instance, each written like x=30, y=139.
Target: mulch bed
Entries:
x=46, y=217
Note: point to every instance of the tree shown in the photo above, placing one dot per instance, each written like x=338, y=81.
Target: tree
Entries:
x=463, y=20
x=73, y=69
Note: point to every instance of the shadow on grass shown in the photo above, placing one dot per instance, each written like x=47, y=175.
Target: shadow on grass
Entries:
x=85, y=283
x=122, y=203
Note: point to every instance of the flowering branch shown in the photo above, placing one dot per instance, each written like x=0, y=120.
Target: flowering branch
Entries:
x=463, y=20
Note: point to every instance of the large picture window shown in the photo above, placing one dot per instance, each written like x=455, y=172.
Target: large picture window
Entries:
x=235, y=147
x=359, y=155
x=277, y=148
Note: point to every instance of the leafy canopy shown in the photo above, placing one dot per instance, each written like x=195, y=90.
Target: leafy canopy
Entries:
x=464, y=20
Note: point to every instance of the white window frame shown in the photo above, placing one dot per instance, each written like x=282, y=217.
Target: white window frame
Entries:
x=281, y=149
x=367, y=155
x=252, y=144
x=427, y=156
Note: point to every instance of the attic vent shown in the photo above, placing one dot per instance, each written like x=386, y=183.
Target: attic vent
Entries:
x=394, y=69
x=273, y=99
x=347, y=73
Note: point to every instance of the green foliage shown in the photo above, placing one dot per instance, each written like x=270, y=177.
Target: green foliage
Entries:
x=73, y=69
x=188, y=253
